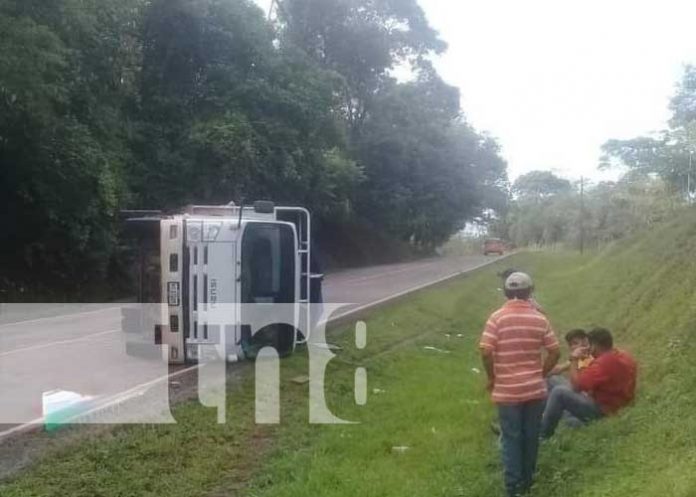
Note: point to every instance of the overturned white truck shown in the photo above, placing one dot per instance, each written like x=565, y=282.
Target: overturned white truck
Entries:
x=205, y=257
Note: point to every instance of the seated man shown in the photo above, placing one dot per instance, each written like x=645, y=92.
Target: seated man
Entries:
x=579, y=343
x=601, y=389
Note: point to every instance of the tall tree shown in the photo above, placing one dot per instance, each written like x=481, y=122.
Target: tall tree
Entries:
x=672, y=152
x=227, y=115
x=62, y=148
x=362, y=40
x=428, y=171
x=540, y=185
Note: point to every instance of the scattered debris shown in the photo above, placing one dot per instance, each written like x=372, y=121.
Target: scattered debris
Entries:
x=460, y=335
x=60, y=406
x=435, y=349
x=476, y=370
x=300, y=380
x=401, y=449
x=448, y=335
x=378, y=391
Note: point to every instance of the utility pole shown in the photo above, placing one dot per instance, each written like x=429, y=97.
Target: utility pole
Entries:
x=271, y=9
x=688, y=177
x=582, y=214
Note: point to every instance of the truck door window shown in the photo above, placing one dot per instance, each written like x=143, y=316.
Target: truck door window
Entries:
x=268, y=264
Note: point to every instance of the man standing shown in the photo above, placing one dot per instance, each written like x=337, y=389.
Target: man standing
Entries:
x=603, y=388
x=512, y=347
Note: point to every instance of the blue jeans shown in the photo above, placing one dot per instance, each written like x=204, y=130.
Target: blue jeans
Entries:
x=563, y=399
x=519, y=426
x=557, y=380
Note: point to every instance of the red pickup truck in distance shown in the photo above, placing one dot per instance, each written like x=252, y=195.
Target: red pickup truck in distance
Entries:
x=493, y=246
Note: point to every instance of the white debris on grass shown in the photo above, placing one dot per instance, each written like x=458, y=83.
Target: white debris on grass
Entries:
x=476, y=370
x=400, y=449
x=300, y=380
x=435, y=349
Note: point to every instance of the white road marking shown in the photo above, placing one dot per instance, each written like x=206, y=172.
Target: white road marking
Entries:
x=36, y=423
x=59, y=342
x=62, y=316
x=115, y=400
x=416, y=289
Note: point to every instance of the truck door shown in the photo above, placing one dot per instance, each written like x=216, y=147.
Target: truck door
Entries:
x=269, y=276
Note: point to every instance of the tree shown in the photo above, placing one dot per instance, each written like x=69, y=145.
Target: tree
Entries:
x=160, y=103
x=613, y=210
x=540, y=185
x=427, y=170
x=234, y=117
x=362, y=40
x=668, y=154
x=61, y=138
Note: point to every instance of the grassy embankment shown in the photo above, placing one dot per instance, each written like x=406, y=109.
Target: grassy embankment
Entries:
x=434, y=403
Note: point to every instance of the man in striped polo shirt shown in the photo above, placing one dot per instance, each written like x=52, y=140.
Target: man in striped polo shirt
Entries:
x=512, y=348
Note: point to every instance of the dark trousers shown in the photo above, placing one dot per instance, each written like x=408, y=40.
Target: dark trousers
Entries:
x=520, y=425
x=564, y=400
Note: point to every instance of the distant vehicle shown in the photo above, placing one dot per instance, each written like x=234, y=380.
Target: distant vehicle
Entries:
x=187, y=263
x=493, y=246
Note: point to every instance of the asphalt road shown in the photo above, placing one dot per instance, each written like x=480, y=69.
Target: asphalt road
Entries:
x=84, y=351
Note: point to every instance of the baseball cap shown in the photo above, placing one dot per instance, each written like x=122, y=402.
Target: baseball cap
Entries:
x=519, y=281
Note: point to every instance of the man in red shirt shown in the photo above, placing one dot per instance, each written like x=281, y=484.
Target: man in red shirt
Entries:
x=602, y=389
x=512, y=346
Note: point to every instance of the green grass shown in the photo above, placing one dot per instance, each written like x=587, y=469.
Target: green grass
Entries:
x=434, y=403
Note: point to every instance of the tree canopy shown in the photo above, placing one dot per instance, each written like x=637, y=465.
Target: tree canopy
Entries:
x=538, y=185
x=594, y=216
x=670, y=153
x=159, y=103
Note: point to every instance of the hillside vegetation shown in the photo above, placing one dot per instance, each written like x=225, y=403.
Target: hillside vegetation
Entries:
x=642, y=288
x=433, y=401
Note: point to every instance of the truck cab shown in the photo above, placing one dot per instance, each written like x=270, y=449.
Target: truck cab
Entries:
x=211, y=259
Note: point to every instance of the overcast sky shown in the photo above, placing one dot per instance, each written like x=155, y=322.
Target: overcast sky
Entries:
x=554, y=80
